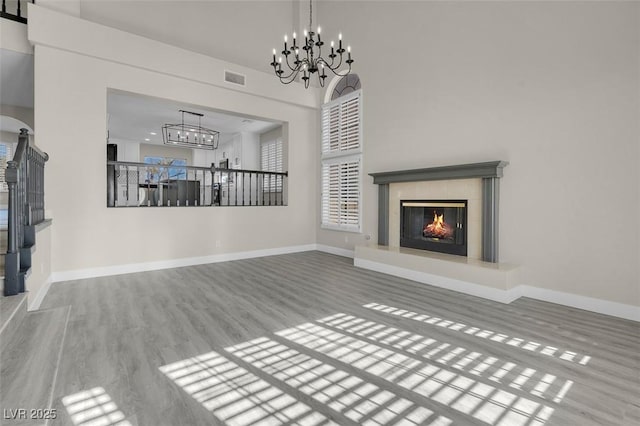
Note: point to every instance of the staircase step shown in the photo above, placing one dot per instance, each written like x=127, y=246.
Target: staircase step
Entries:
x=29, y=362
x=13, y=309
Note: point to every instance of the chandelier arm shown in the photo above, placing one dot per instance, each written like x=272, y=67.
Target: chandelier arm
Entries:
x=341, y=74
x=288, y=64
x=338, y=65
x=289, y=78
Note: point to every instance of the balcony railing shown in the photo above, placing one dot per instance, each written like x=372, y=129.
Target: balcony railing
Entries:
x=15, y=10
x=151, y=185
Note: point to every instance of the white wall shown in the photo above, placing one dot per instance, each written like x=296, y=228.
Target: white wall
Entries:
x=127, y=150
x=250, y=159
x=40, y=275
x=71, y=87
x=551, y=87
x=155, y=150
x=235, y=31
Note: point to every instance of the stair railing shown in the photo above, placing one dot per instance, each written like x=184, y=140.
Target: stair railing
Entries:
x=25, y=179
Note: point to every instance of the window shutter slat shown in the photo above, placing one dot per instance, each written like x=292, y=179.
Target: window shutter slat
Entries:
x=271, y=161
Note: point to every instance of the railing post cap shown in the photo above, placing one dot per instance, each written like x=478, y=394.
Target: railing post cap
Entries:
x=24, y=131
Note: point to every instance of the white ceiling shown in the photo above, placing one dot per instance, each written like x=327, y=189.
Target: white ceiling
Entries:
x=133, y=118
x=11, y=125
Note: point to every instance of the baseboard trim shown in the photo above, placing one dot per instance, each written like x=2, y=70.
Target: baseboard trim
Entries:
x=39, y=298
x=335, y=250
x=495, y=294
x=605, y=307
x=173, y=263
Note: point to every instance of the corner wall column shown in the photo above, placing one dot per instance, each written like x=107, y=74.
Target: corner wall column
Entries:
x=383, y=214
x=490, y=202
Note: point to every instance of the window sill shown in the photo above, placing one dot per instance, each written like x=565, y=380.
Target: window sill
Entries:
x=341, y=229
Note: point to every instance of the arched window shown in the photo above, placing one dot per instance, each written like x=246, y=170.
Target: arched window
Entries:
x=345, y=85
x=341, y=160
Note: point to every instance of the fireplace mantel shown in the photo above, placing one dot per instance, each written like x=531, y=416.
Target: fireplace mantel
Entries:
x=489, y=169
x=490, y=172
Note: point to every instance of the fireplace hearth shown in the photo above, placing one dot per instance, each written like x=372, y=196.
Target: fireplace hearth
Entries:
x=434, y=225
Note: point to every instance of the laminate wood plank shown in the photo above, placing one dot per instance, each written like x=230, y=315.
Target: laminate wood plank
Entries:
x=28, y=365
x=124, y=330
x=12, y=310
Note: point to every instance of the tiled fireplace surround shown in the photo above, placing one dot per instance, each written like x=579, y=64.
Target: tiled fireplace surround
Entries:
x=480, y=273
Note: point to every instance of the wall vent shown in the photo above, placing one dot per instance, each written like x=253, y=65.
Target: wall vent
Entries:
x=234, y=78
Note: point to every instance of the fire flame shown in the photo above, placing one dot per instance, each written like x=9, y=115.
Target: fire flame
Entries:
x=438, y=228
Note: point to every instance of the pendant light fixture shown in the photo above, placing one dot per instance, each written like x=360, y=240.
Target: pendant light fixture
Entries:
x=306, y=59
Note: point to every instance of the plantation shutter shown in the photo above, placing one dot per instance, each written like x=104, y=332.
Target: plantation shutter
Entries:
x=341, y=124
x=271, y=161
x=341, y=163
x=5, y=155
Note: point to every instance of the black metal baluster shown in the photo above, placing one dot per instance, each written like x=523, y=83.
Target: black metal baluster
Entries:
x=236, y=186
x=228, y=189
x=126, y=170
x=243, y=182
x=213, y=185
x=250, y=192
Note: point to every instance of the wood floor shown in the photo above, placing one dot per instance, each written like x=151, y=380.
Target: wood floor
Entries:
x=308, y=339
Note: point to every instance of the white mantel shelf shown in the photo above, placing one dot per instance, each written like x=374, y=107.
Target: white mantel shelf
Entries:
x=494, y=281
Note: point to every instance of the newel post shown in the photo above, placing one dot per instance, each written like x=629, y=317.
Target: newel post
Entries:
x=12, y=259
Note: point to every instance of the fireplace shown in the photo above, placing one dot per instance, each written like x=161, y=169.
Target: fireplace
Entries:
x=434, y=225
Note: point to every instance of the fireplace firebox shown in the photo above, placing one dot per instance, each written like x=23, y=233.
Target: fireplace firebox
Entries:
x=434, y=225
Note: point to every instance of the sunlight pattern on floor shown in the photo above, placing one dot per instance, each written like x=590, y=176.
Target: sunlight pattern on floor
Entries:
x=485, y=334
x=236, y=396
x=465, y=395
x=94, y=407
x=540, y=384
x=358, y=400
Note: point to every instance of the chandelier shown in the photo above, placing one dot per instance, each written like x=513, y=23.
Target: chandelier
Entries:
x=190, y=135
x=307, y=59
